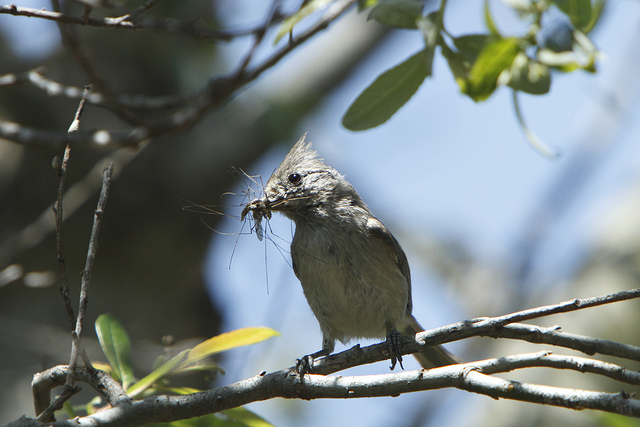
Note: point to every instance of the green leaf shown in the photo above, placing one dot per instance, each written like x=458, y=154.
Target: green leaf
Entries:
x=471, y=45
x=488, y=20
x=457, y=64
x=116, y=347
x=287, y=25
x=527, y=75
x=390, y=91
x=178, y=390
x=596, y=13
x=229, y=340
x=493, y=59
x=236, y=417
x=365, y=4
x=246, y=418
x=578, y=11
x=155, y=376
x=397, y=13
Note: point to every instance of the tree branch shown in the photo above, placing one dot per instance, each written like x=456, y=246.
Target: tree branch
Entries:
x=475, y=377
x=214, y=94
x=131, y=22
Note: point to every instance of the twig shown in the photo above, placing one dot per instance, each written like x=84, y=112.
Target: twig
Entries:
x=37, y=78
x=86, y=275
x=75, y=124
x=140, y=10
x=216, y=93
x=75, y=197
x=491, y=326
x=61, y=169
x=553, y=336
x=70, y=39
x=258, y=37
x=168, y=26
x=100, y=381
x=550, y=360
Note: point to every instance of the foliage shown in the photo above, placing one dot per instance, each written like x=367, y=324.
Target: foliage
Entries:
x=480, y=63
x=116, y=346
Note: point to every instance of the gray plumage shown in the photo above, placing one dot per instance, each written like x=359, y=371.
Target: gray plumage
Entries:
x=354, y=273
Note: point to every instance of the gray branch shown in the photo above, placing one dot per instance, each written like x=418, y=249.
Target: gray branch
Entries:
x=218, y=91
x=473, y=377
x=476, y=377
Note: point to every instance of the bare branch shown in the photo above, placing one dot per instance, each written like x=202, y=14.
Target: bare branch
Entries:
x=217, y=92
x=70, y=39
x=491, y=326
x=475, y=377
x=554, y=336
x=131, y=23
x=61, y=169
x=286, y=384
x=100, y=381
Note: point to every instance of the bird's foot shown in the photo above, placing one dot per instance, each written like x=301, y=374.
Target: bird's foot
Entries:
x=304, y=365
x=393, y=344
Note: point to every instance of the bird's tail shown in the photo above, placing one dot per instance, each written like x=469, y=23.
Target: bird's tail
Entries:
x=431, y=356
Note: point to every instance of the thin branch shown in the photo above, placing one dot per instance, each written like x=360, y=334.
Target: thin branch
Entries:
x=75, y=124
x=491, y=326
x=554, y=336
x=52, y=88
x=100, y=381
x=216, y=93
x=70, y=39
x=61, y=169
x=139, y=11
x=86, y=273
x=75, y=197
x=259, y=36
x=168, y=25
x=550, y=360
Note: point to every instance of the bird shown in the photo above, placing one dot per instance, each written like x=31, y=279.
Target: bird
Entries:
x=354, y=273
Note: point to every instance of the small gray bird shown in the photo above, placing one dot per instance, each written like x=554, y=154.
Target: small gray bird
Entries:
x=354, y=273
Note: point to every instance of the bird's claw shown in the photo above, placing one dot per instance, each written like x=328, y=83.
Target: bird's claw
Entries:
x=393, y=344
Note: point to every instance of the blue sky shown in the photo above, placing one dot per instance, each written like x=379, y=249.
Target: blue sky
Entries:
x=443, y=166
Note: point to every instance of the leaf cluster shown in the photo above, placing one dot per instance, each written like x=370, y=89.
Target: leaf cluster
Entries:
x=480, y=63
x=116, y=347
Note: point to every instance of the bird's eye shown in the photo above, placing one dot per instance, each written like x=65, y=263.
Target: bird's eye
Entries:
x=295, y=178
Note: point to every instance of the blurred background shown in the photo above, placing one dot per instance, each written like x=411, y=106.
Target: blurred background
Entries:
x=488, y=224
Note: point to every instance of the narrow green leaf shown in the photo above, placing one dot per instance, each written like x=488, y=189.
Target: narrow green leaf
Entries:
x=397, y=13
x=116, y=347
x=578, y=11
x=229, y=340
x=246, y=418
x=287, y=25
x=596, y=13
x=494, y=58
x=390, y=91
x=178, y=390
x=488, y=20
x=155, y=376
